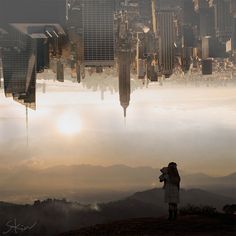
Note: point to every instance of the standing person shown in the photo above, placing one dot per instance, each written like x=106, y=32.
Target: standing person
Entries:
x=172, y=186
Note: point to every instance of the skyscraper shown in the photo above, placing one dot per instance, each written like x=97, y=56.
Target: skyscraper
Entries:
x=206, y=18
x=98, y=32
x=166, y=41
x=26, y=25
x=124, y=79
x=19, y=66
x=124, y=60
x=223, y=20
x=42, y=55
x=189, y=15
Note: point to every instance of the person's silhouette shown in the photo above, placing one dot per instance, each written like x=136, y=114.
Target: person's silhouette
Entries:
x=171, y=179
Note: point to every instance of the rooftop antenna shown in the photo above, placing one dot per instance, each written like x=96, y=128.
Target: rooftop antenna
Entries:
x=44, y=86
x=27, y=124
x=125, y=117
x=124, y=112
x=146, y=76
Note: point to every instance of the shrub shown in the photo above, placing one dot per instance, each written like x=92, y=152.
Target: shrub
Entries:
x=197, y=210
x=229, y=209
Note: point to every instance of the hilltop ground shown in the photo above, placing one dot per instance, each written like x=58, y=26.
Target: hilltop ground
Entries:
x=220, y=225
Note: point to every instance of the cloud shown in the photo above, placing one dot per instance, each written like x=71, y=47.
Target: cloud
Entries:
x=33, y=162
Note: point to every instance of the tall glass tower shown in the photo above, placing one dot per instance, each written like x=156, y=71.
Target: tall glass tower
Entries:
x=98, y=32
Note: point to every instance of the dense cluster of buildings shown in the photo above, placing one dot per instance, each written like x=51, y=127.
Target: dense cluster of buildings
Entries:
x=151, y=38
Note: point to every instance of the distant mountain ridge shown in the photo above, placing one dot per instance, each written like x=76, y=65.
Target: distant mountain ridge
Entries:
x=91, y=179
x=116, y=173
x=189, y=196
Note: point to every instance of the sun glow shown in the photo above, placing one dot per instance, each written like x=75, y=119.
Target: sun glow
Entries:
x=69, y=124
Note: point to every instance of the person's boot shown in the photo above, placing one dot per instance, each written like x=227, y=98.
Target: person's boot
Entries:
x=175, y=215
x=170, y=215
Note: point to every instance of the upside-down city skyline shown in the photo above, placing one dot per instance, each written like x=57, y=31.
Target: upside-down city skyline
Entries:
x=107, y=82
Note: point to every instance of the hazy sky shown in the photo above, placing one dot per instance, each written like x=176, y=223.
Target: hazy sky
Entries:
x=195, y=127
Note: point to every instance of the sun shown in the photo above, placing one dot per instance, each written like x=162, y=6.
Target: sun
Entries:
x=69, y=124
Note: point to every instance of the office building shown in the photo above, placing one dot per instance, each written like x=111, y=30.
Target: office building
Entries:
x=98, y=32
x=124, y=79
x=223, y=20
x=189, y=15
x=166, y=41
x=207, y=66
x=19, y=66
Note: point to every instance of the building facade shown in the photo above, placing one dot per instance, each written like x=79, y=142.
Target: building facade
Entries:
x=166, y=41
